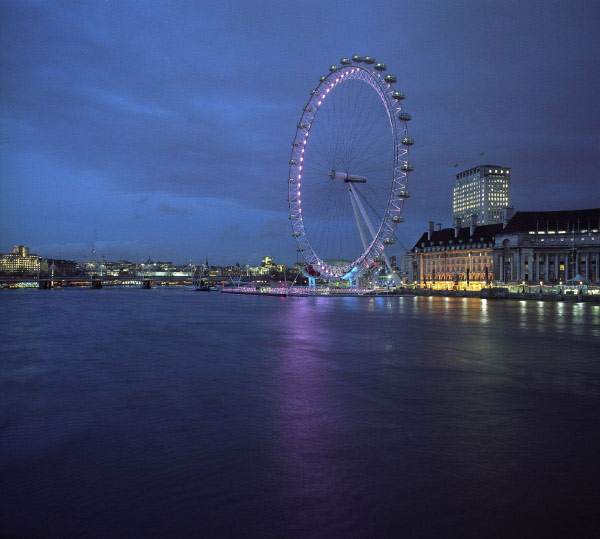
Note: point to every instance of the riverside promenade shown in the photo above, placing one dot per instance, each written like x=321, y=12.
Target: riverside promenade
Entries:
x=520, y=293
x=305, y=291
x=588, y=294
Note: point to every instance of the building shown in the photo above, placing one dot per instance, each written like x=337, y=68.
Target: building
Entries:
x=59, y=268
x=549, y=247
x=404, y=266
x=267, y=262
x=20, y=262
x=455, y=258
x=483, y=191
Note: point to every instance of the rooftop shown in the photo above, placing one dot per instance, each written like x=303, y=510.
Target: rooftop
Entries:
x=482, y=234
x=525, y=221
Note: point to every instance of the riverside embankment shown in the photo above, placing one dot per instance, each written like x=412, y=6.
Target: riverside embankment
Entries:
x=503, y=293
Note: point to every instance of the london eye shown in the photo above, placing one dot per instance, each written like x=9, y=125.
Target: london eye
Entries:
x=349, y=169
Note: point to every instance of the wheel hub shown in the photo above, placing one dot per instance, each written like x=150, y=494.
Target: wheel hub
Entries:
x=348, y=178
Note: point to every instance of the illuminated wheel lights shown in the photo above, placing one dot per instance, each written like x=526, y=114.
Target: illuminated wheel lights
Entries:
x=366, y=70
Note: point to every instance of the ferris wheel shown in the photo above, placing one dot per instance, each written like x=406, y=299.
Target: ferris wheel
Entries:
x=349, y=169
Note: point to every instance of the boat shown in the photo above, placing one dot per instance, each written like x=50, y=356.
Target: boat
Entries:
x=200, y=285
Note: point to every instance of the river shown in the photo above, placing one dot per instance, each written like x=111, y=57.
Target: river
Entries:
x=168, y=412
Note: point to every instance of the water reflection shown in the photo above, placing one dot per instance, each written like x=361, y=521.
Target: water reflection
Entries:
x=485, y=318
x=468, y=358
x=540, y=305
x=333, y=414
x=306, y=407
x=595, y=317
x=523, y=314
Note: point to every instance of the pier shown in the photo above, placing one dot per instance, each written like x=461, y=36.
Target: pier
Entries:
x=93, y=282
x=589, y=294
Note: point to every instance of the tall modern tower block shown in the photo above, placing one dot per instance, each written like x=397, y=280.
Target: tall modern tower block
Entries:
x=483, y=191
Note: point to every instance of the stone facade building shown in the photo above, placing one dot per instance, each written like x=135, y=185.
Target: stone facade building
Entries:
x=549, y=247
x=458, y=257
x=552, y=247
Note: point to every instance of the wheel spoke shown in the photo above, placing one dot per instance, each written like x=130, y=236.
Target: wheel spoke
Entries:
x=353, y=129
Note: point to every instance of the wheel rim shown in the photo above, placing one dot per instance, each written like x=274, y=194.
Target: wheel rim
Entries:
x=328, y=135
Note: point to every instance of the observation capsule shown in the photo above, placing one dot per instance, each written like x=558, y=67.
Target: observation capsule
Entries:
x=390, y=78
x=308, y=109
x=333, y=68
x=369, y=60
x=293, y=162
x=345, y=61
x=297, y=143
x=293, y=216
x=407, y=141
x=407, y=167
x=404, y=116
x=322, y=78
x=357, y=58
x=398, y=219
x=301, y=125
x=292, y=180
x=403, y=193
x=313, y=92
x=389, y=241
x=295, y=234
x=398, y=96
x=380, y=66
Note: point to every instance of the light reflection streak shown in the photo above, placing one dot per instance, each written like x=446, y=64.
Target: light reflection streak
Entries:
x=306, y=406
x=523, y=319
x=485, y=318
x=540, y=309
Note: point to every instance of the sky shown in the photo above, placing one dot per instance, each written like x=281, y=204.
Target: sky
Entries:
x=163, y=129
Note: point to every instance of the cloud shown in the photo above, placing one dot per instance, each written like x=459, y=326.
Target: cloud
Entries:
x=272, y=228
x=167, y=209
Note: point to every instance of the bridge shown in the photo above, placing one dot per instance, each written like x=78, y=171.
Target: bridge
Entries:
x=92, y=281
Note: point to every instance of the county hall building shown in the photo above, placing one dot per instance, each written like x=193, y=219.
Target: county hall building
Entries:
x=457, y=257
x=550, y=247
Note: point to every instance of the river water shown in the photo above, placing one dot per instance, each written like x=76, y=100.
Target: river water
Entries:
x=167, y=412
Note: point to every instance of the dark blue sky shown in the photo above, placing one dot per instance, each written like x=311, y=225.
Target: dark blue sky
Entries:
x=166, y=126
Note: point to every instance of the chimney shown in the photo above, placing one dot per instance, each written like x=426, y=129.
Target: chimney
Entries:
x=438, y=227
x=508, y=213
x=456, y=226
x=473, y=224
x=430, y=230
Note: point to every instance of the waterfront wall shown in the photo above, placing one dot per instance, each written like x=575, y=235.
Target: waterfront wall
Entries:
x=503, y=293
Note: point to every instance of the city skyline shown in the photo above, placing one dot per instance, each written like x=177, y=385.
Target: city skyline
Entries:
x=168, y=130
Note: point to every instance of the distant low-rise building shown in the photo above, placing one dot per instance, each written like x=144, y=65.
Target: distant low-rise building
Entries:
x=20, y=262
x=404, y=266
x=59, y=268
x=267, y=262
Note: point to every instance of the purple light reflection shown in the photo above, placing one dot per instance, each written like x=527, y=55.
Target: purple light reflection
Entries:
x=308, y=404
